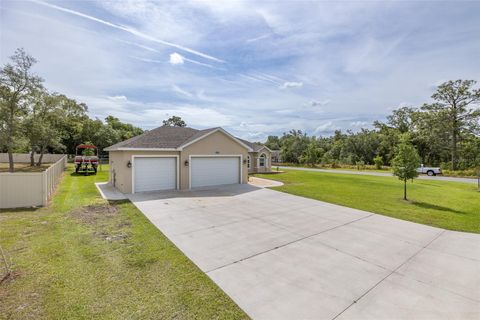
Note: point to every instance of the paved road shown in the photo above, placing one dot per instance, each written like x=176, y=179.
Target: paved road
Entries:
x=280, y=256
x=381, y=174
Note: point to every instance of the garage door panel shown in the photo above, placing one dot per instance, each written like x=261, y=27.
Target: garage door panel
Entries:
x=153, y=174
x=212, y=171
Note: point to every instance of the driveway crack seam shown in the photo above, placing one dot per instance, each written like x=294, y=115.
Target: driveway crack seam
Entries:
x=388, y=275
x=437, y=287
x=288, y=243
x=213, y=227
x=354, y=256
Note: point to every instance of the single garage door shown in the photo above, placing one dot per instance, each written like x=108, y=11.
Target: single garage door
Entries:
x=213, y=171
x=152, y=174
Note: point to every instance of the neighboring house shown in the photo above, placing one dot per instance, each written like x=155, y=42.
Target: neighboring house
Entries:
x=168, y=158
x=259, y=159
x=276, y=156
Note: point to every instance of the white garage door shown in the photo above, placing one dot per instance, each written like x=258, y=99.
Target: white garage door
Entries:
x=213, y=171
x=152, y=174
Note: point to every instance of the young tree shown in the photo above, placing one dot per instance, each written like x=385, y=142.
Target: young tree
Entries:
x=378, y=160
x=456, y=110
x=174, y=121
x=406, y=162
x=16, y=86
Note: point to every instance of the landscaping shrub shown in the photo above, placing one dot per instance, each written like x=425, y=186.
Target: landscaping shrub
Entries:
x=378, y=160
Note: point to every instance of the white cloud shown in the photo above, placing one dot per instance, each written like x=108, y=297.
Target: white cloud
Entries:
x=118, y=98
x=176, y=58
x=202, y=96
x=195, y=117
x=325, y=128
x=359, y=124
x=179, y=90
x=264, y=36
x=138, y=45
x=151, y=115
x=369, y=54
x=402, y=104
x=288, y=85
x=317, y=103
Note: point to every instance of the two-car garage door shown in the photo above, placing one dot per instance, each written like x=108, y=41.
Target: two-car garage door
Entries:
x=160, y=173
x=213, y=171
x=152, y=174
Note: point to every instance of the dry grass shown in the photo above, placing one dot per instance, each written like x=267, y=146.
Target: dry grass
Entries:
x=24, y=167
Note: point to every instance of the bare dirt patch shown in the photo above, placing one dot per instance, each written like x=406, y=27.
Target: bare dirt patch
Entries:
x=107, y=224
x=93, y=214
x=9, y=277
x=113, y=237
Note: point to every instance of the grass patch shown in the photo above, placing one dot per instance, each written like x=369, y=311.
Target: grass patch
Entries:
x=85, y=258
x=24, y=167
x=449, y=205
x=366, y=167
x=468, y=173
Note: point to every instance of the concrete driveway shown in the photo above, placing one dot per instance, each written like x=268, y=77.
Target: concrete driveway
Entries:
x=281, y=256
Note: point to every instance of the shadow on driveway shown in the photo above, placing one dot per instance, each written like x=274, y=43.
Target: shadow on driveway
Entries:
x=216, y=191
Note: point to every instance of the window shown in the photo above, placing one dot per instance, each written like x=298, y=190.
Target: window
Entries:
x=262, y=160
x=248, y=162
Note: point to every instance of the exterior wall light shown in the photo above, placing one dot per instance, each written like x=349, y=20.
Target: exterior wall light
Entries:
x=186, y=163
x=129, y=164
x=244, y=161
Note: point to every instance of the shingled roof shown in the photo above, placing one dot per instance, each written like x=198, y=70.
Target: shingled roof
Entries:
x=255, y=146
x=166, y=137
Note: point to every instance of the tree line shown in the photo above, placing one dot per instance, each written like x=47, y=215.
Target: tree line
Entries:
x=35, y=120
x=445, y=132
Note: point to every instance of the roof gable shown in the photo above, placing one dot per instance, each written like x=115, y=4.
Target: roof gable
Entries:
x=263, y=147
x=254, y=146
x=213, y=130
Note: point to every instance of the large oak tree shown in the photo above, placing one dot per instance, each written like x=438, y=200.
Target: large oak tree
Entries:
x=17, y=85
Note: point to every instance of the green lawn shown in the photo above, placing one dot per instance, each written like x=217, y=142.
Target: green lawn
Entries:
x=449, y=205
x=83, y=258
x=467, y=173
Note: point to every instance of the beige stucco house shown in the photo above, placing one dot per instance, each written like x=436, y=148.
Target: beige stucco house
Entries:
x=259, y=158
x=168, y=158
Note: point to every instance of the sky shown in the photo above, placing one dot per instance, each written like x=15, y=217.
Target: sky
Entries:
x=255, y=68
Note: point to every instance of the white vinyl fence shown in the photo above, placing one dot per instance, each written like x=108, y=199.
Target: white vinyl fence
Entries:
x=28, y=189
x=25, y=157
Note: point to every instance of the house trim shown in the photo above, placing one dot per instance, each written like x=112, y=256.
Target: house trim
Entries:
x=263, y=147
